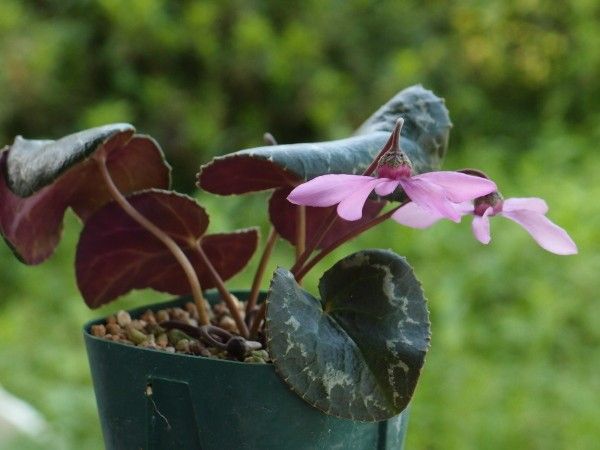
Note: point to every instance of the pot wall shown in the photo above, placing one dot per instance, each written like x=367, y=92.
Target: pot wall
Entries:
x=155, y=400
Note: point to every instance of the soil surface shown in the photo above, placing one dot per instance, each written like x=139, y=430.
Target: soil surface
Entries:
x=176, y=330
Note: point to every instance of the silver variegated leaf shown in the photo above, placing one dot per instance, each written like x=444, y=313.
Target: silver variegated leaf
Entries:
x=358, y=351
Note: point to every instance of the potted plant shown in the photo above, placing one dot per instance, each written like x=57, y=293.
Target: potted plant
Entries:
x=252, y=369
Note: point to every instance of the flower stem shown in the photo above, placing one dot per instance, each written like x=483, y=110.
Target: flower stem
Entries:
x=319, y=236
x=225, y=294
x=325, y=251
x=300, y=230
x=171, y=245
x=260, y=271
x=258, y=319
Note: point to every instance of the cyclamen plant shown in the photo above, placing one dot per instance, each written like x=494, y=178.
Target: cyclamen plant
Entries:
x=356, y=352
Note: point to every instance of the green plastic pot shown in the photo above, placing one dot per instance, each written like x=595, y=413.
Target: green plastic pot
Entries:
x=154, y=400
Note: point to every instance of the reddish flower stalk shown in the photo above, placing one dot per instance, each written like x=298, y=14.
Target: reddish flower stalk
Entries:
x=260, y=271
x=300, y=230
x=301, y=273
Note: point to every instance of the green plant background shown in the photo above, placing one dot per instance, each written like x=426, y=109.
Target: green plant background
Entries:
x=514, y=360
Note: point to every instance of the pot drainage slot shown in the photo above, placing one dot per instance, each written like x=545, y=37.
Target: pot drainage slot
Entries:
x=170, y=416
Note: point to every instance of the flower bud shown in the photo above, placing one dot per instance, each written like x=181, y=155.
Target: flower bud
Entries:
x=394, y=163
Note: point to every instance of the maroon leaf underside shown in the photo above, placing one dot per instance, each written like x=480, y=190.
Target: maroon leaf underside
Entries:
x=230, y=175
x=283, y=214
x=32, y=226
x=116, y=255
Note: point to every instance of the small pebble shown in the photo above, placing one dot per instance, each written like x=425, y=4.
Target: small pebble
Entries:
x=98, y=330
x=123, y=318
x=180, y=314
x=113, y=329
x=198, y=349
x=192, y=310
x=220, y=309
x=148, y=316
x=176, y=335
x=148, y=344
x=154, y=328
x=162, y=316
x=162, y=340
x=227, y=323
x=254, y=359
x=183, y=345
x=139, y=324
x=135, y=335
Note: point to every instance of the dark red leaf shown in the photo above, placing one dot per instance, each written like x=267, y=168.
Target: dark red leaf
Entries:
x=116, y=255
x=136, y=165
x=283, y=217
x=241, y=173
x=32, y=226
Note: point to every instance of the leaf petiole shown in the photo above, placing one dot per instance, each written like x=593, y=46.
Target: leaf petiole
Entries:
x=100, y=159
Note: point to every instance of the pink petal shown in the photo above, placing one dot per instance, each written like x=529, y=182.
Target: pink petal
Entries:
x=429, y=196
x=351, y=207
x=481, y=226
x=464, y=208
x=327, y=190
x=459, y=187
x=530, y=204
x=546, y=233
x=386, y=187
x=412, y=215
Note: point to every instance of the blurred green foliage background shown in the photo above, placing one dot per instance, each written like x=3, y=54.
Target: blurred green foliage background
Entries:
x=514, y=360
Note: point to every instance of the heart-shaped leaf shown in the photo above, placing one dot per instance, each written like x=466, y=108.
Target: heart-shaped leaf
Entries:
x=115, y=254
x=426, y=123
x=283, y=217
x=32, y=225
x=357, y=353
x=33, y=164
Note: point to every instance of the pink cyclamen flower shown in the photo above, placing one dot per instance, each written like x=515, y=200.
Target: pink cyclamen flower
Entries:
x=438, y=192
x=530, y=213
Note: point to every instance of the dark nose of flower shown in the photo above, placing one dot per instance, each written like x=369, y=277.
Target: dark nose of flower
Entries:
x=394, y=163
x=493, y=200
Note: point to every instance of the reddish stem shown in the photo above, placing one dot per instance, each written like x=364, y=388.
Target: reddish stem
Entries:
x=175, y=250
x=320, y=235
x=257, y=321
x=225, y=294
x=262, y=265
x=300, y=230
x=325, y=251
